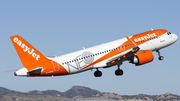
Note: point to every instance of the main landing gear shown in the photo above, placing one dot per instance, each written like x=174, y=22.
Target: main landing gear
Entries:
x=97, y=73
x=119, y=71
x=160, y=57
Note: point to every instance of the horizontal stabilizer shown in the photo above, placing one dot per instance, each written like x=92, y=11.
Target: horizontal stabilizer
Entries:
x=37, y=70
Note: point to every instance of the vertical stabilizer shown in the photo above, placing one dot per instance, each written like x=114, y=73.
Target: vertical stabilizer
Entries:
x=27, y=53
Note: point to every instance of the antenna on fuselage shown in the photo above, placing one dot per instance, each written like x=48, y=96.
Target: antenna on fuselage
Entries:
x=152, y=29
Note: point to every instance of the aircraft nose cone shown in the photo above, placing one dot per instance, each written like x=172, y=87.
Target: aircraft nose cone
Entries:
x=175, y=37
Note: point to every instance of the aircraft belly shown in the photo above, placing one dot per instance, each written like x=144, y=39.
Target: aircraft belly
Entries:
x=100, y=64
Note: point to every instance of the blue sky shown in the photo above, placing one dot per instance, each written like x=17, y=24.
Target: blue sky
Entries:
x=58, y=27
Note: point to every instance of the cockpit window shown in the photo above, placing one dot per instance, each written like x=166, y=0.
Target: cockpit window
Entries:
x=168, y=33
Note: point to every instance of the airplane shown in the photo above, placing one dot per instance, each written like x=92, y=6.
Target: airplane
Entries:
x=136, y=49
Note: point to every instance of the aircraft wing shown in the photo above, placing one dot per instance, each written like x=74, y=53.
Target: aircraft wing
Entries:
x=124, y=57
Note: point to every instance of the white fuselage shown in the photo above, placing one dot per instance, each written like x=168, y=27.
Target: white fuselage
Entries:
x=73, y=62
x=136, y=49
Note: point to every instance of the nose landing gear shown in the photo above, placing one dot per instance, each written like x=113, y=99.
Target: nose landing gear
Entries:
x=160, y=57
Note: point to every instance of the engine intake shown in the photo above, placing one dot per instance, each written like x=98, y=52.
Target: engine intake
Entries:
x=142, y=58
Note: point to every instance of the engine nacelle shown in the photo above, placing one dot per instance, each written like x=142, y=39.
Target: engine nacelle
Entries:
x=142, y=58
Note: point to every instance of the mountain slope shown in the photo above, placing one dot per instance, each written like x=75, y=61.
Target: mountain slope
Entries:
x=80, y=91
x=74, y=91
x=5, y=90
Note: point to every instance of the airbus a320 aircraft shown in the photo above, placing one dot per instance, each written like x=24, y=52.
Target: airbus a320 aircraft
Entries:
x=136, y=49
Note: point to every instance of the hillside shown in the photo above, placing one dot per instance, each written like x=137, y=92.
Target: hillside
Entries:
x=74, y=91
x=6, y=91
x=80, y=93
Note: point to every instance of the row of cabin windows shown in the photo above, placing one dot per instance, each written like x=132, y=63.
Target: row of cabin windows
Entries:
x=108, y=50
x=146, y=40
x=97, y=54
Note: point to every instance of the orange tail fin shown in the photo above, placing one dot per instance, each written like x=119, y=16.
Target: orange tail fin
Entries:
x=27, y=53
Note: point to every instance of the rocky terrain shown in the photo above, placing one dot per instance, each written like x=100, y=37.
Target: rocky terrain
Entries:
x=79, y=93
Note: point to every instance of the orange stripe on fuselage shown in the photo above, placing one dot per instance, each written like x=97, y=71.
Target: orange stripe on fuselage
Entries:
x=144, y=37
x=117, y=51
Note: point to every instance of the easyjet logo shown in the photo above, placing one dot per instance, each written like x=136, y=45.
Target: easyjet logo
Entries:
x=148, y=36
x=26, y=48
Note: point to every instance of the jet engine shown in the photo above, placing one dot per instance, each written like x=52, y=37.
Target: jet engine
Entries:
x=142, y=58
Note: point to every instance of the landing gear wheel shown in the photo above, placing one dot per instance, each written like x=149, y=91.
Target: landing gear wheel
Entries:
x=161, y=58
x=119, y=72
x=97, y=73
